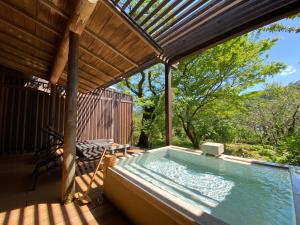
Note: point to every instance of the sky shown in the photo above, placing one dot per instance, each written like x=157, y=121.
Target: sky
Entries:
x=287, y=50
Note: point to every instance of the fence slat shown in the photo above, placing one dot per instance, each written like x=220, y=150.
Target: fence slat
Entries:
x=24, y=109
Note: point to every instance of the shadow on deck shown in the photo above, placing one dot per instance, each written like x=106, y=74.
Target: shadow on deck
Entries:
x=42, y=206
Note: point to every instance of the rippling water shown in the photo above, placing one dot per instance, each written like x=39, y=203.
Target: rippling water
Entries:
x=235, y=193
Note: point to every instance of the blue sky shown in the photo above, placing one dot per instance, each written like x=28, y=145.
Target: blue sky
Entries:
x=287, y=50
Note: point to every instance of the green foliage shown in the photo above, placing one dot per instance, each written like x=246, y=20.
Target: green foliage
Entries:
x=222, y=72
x=279, y=27
x=210, y=103
x=273, y=114
x=289, y=149
x=147, y=89
x=259, y=152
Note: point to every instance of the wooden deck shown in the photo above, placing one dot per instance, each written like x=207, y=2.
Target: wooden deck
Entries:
x=42, y=206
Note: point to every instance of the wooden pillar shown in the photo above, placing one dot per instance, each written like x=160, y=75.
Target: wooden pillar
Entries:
x=168, y=103
x=52, y=105
x=68, y=165
x=109, y=161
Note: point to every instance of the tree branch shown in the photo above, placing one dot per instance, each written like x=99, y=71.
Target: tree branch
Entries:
x=141, y=82
x=131, y=88
x=151, y=87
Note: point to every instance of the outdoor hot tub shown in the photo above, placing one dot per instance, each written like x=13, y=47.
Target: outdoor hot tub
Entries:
x=173, y=185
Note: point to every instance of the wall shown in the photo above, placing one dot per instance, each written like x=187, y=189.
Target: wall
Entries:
x=24, y=110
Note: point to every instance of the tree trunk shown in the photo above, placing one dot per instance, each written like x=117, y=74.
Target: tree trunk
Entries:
x=188, y=128
x=191, y=136
x=147, y=118
x=143, y=140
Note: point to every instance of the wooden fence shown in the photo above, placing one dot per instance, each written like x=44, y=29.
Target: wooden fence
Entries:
x=24, y=110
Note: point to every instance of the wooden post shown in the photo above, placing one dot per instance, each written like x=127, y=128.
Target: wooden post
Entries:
x=52, y=105
x=69, y=154
x=76, y=23
x=109, y=161
x=168, y=103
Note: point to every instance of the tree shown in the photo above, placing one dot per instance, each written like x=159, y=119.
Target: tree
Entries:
x=274, y=113
x=147, y=88
x=280, y=27
x=222, y=72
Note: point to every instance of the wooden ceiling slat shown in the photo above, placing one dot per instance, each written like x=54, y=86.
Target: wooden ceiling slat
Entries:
x=203, y=15
x=100, y=58
x=172, y=15
x=145, y=10
x=136, y=7
x=88, y=82
x=127, y=3
x=18, y=44
x=133, y=27
x=93, y=77
x=17, y=64
x=112, y=48
x=121, y=61
x=24, y=69
x=85, y=63
x=22, y=53
x=153, y=13
x=29, y=17
x=142, y=67
x=21, y=29
x=50, y=5
x=119, y=41
x=22, y=60
x=193, y=9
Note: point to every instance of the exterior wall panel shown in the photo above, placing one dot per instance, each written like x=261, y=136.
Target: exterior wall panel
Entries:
x=24, y=110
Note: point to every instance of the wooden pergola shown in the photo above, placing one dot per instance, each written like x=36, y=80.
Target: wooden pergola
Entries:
x=86, y=44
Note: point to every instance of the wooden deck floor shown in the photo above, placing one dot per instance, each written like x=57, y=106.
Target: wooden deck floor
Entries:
x=42, y=206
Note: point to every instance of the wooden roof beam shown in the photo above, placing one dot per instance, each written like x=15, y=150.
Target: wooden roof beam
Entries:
x=89, y=52
x=164, y=13
x=21, y=51
x=92, y=77
x=89, y=32
x=154, y=12
x=16, y=64
x=135, y=28
x=50, y=5
x=77, y=22
x=18, y=43
x=85, y=63
x=136, y=7
x=21, y=29
x=25, y=60
x=144, y=66
x=200, y=17
x=170, y=15
x=23, y=56
x=190, y=12
x=229, y=27
x=127, y=3
x=145, y=9
x=38, y=22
